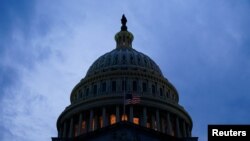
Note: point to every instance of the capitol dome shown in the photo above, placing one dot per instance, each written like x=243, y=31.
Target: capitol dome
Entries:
x=121, y=58
x=124, y=86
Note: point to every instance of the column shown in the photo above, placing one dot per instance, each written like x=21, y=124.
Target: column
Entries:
x=79, y=124
x=71, y=127
x=104, y=116
x=131, y=114
x=117, y=113
x=90, y=120
x=184, y=129
x=169, y=125
x=158, y=120
x=144, y=117
x=64, y=129
x=177, y=127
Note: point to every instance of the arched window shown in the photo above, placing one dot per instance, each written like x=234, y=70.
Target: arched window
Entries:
x=112, y=119
x=124, y=117
x=136, y=120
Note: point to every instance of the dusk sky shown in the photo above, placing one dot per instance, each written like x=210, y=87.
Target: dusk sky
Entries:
x=46, y=48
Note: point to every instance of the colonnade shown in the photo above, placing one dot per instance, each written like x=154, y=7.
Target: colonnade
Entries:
x=90, y=120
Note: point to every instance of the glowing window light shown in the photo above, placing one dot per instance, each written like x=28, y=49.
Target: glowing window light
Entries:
x=124, y=117
x=136, y=120
x=112, y=119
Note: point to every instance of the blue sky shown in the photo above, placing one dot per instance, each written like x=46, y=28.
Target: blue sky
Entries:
x=46, y=47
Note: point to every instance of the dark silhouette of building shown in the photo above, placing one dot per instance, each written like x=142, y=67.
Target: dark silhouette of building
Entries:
x=124, y=97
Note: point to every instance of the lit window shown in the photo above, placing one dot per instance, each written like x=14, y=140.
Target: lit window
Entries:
x=93, y=124
x=136, y=120
x=101, y=122
x=83, y=124
x=76, y=130
x=112, y=119
x=124, y=118
x=83, y=129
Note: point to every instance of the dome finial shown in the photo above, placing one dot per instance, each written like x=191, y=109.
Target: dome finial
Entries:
x=124, y=38
x=124, y=21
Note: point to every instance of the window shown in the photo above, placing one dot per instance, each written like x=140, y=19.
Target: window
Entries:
x=134, y=86
x=153, y=89
x=83, y=129
x=112, y=119
x=161, y=92
x=138, y=59
x=144, y=87
x=95, y=89
x=124, y=117
x=80, y=94
x=168, y=93
x=93, y=124
x=145, y=61
x=87, y=91
x=104, y=87
x=136, y=120
x=115, y=60
x=113, y=86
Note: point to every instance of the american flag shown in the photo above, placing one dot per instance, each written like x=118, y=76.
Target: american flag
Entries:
x=132, y=99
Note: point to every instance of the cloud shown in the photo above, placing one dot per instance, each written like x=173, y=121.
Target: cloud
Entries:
x=47, y=47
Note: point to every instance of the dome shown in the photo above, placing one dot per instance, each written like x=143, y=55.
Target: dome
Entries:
x=124, y=58
x=101, y=98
